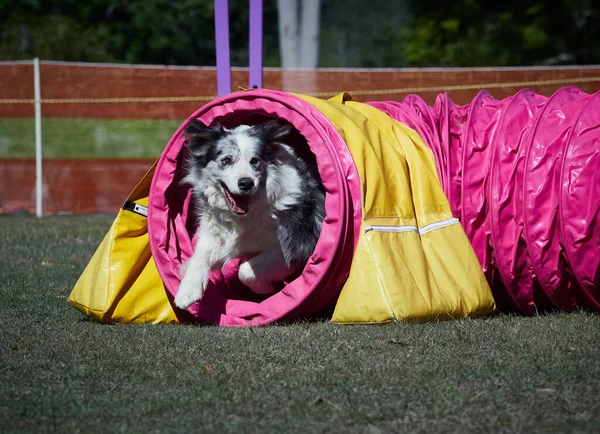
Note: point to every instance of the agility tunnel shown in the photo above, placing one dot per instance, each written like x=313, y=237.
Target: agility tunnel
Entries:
x=422, y=205
x=523, y=176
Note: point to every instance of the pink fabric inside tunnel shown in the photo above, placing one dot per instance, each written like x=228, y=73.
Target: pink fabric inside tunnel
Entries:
x=226, y=302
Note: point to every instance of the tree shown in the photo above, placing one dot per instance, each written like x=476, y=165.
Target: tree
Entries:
x=356, y=33
x=524, y=32
x=178, y=32
x=299, y=32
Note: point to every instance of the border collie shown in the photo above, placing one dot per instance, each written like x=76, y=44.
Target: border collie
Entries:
x=255, y=197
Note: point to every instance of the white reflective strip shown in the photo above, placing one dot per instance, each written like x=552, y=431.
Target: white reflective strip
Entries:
x=391, y=228
x=437, y=225
x=423, y=230
x=140, y=209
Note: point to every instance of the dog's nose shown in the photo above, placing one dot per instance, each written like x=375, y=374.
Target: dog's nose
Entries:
x=245, y=184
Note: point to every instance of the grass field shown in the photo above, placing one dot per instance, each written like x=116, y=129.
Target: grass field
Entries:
x=86, y=138
x=60, y=372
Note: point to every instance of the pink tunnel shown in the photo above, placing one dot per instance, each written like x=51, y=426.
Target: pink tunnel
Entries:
x=523, y=176
x=225, y=301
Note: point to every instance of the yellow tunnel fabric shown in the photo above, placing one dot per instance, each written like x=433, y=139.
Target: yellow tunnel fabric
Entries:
x=413, y=260
x=121, y=283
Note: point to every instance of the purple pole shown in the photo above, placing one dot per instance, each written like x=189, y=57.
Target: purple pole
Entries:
x=222, y=47
x=256, y=49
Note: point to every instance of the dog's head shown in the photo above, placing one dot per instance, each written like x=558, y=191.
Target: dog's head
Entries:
x=228, y=167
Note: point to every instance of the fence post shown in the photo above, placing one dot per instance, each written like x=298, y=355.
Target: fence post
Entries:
x=38, y=138
x=222, y=47
x=256, y=44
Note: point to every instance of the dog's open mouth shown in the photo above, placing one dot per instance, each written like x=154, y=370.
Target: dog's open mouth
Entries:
x=239, y=203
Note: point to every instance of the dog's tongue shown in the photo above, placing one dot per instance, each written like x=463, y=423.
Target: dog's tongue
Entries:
x=240, y=203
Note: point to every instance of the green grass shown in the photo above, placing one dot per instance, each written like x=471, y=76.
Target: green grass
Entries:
x=86, y=138
x=60, y=372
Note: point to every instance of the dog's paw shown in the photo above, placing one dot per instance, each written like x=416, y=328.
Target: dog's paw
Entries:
x=183, y=268
x=188, y=294
x=248, y=278
x=185, y=298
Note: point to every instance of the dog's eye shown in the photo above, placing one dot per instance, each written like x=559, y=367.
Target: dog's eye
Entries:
x=254, y=161
x=226, y=161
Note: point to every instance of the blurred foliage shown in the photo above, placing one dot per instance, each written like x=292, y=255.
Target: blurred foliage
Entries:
x=359, y=36
x=132, y=31
x=55, y=37
x=476, y=33
x=354, y=33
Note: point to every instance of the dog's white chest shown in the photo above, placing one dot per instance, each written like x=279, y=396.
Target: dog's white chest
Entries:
x=228, y=239
x=255, y=235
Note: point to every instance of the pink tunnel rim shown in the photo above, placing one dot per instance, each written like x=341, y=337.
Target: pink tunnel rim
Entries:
x=477, y=145
x=321, y=279
x=548, y=265
x=504, y=222
x=572, y=222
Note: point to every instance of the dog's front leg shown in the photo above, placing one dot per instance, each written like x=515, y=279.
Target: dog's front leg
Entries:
x=261, y=271
x=195, y=277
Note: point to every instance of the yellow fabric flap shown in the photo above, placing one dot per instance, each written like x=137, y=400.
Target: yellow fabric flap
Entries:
x=413, y=259
x=121, y=282
x=341, y=98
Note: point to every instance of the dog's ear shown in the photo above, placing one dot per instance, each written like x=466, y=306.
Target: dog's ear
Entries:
x=283, y=154
x=198, y=129
x=199, y=135
x=273, y=130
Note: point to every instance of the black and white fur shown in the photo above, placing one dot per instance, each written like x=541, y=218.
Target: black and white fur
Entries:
x=254, y=195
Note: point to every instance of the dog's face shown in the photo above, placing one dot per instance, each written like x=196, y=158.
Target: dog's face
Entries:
x=228, y=167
